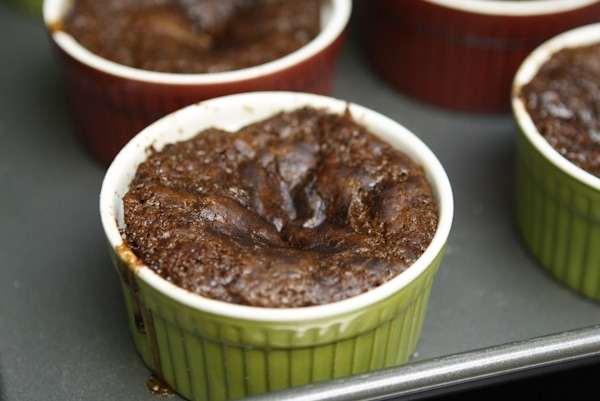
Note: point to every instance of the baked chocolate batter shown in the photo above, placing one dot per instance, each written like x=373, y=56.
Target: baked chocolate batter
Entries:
x=563, y=100
x=193, y=36
x=304, y=208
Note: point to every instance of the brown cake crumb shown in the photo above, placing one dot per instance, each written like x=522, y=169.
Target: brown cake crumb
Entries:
x=193, y=36
x=304, y=208
x=563, y=100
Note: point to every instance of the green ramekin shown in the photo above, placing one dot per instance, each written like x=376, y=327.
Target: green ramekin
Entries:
x=557, y=204
x=33, y=7
x=211, y=350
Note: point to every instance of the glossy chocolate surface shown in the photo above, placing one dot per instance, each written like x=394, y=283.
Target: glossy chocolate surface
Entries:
x=304, y=208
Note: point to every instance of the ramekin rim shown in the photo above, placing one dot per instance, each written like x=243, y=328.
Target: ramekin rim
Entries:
x=436, y=175
x=580, y=36
x=338, y=20
x=514, y=7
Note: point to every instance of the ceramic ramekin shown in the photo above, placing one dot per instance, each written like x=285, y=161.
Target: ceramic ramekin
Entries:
x=463, y=54
x=557, y=203
x=112, y=102
x=212, y=350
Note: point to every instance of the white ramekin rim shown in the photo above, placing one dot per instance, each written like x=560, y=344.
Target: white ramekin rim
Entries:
x=514, y=7
x=254, y=107
x=581, y=36
x=335, y=19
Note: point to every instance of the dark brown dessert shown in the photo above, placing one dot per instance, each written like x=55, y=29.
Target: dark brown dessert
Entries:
x=193, y=36
x=563, y=100
x=303, y=208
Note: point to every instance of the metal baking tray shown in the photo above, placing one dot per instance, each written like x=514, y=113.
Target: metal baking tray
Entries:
x=493, y=316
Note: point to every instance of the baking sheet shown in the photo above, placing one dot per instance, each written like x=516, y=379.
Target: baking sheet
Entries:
x=493, y=312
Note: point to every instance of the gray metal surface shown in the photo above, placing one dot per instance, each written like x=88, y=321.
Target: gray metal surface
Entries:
x=63, y=331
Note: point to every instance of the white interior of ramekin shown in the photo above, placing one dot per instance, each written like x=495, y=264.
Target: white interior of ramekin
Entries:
x=334, y=19
x=231, y=113
x=516, y=8
x=585, y=35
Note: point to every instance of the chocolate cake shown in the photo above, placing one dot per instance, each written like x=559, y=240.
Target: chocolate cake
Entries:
x=193, y=36
x=563, y=100
x=303, y=208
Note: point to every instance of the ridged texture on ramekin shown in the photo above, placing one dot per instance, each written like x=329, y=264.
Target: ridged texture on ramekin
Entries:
x=558, y=218
x=109, y=110
x=212, y=350
x=454, y=58
x=197, y=352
